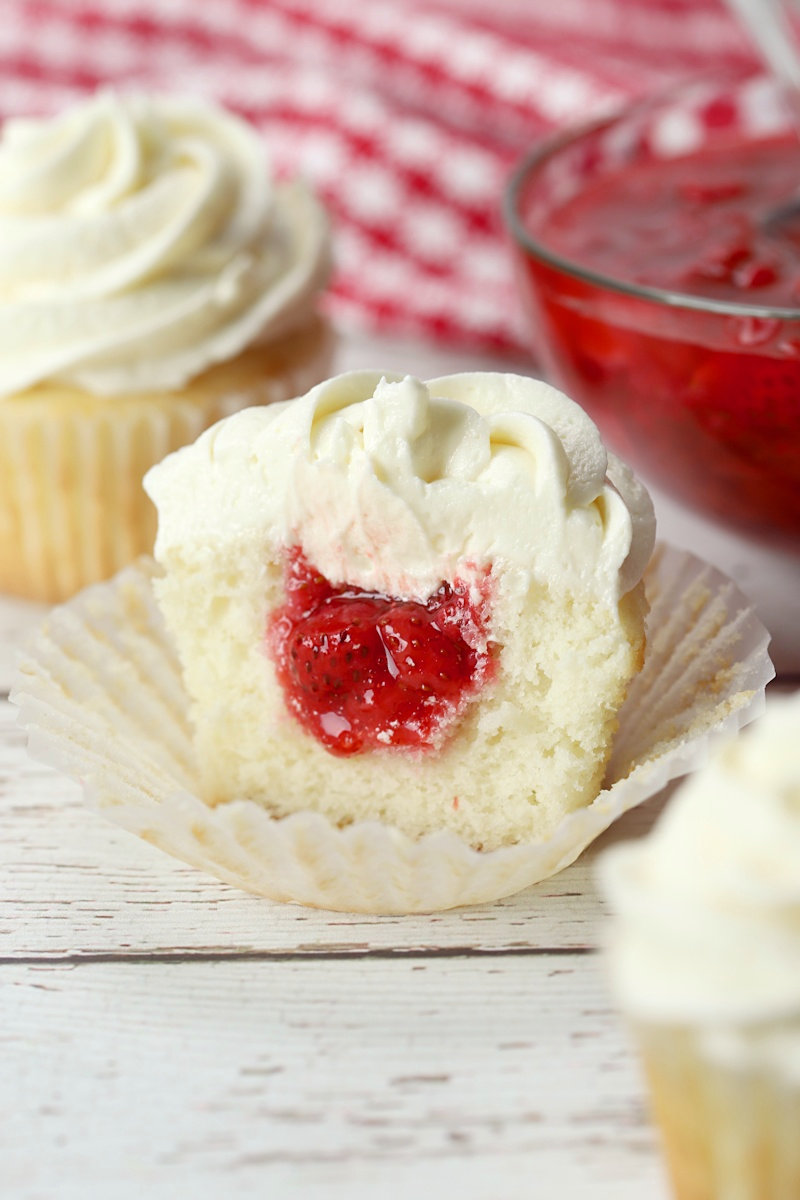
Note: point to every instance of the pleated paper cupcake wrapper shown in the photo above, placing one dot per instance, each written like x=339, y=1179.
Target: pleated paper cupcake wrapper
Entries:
x=72, y=507
x=101, y=695
x=730, y=1125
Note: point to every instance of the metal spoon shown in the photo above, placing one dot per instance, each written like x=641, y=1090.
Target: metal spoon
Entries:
x=768, y=24
x=773, y=35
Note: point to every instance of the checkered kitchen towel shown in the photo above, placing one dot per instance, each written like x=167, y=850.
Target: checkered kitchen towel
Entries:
x=406, y=114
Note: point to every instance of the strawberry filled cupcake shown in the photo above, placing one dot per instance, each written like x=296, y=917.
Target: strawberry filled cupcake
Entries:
x=416, y=603
x=404, y=646
x=153, y=278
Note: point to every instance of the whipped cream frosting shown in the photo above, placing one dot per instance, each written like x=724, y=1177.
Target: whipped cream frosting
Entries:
x=141, y=241
x=393, y=484
x=708, y=905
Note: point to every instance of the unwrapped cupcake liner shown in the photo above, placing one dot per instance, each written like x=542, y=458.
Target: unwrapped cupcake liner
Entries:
x=72, y=507
x=728, y=1113
x=101, y=695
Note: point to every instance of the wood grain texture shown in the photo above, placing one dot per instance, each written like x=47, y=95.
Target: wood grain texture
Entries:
x=468, y=1077
x=165, y=1035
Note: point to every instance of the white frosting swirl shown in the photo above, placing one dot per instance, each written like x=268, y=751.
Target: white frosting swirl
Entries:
x=392, y=484
x=142, y=240
x=708, y=905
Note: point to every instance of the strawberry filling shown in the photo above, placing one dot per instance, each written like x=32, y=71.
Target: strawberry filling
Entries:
x=362, y=670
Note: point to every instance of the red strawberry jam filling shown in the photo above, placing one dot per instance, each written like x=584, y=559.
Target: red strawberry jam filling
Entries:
x=362, y=670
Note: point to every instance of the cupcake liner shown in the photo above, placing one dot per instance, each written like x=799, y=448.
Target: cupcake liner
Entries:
x=100, y=693
x=72, y=507
x=729, y=1124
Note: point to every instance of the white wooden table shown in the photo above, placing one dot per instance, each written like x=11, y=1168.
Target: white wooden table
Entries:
x=166, y=1036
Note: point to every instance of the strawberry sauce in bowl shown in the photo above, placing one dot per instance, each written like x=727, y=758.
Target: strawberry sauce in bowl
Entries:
x=660, y=262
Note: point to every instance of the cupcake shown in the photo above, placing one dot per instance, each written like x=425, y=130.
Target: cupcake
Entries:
x=705, y=959
x=382, y=659
x=416, y=603
x=154, y=279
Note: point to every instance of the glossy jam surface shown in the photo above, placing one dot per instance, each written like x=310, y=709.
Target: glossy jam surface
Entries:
x=362, y=671
x=701, y=225
x=703, y=404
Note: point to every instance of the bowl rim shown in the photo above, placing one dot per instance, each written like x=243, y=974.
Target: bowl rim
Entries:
x=525, y=241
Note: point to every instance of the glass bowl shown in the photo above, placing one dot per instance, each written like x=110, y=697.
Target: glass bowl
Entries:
x=699, y=391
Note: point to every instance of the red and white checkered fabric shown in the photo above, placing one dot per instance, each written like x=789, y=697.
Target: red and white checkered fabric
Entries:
x=406, y=114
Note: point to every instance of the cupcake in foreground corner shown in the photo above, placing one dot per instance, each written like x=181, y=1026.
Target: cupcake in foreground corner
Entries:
x=420, y=603
x=705, y=959
x=152, y=280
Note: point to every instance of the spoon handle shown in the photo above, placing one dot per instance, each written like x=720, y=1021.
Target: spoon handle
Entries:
x=774, y=37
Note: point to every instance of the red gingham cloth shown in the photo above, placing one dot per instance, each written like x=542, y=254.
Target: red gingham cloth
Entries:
x=407, y=115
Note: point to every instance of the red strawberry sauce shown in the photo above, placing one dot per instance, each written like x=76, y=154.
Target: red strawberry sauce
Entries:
x=363, y=671
x=693, y=224
x=705, y=404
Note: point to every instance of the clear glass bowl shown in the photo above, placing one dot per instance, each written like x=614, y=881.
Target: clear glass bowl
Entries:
x=700, y=394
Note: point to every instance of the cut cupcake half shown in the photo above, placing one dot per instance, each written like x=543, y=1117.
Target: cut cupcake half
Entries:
x=414, y=603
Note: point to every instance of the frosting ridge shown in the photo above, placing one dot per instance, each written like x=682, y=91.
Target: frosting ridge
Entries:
x=390, y=484
x=708, y=904
x=142, y=240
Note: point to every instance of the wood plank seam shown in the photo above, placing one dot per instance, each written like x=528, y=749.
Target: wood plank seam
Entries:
x=178, y=958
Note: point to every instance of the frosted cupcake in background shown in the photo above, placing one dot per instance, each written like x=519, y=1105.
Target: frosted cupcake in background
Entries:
x=705, y=960
x=153, y=279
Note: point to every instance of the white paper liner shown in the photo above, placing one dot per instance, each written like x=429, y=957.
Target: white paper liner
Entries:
x=101, y=695
x=729, y=1124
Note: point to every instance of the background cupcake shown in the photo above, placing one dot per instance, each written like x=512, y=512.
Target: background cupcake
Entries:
x=706, y=963
x=153, y=278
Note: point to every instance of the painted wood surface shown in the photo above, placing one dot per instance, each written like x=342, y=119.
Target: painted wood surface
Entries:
x=162, y=1034
x=461, y=1077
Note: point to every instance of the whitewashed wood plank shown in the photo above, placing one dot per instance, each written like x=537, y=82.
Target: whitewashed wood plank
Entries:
x=471, y=1078
x=73, y=884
